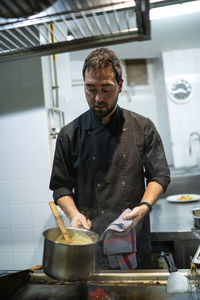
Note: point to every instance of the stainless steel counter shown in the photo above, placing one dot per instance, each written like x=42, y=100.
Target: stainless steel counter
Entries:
x=171, y=225
x=126, y=285
x=172, y=217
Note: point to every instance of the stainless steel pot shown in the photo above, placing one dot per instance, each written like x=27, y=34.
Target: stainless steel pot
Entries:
x=69, y=262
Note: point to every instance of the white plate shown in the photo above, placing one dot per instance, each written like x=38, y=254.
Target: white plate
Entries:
x=174, y=198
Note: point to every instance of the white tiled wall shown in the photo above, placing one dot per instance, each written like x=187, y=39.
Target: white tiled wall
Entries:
x=162, y=108
x=184, y=118
x=63, y=72
x=25, y=165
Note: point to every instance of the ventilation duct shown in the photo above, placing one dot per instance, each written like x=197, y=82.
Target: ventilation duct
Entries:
x=74, y=24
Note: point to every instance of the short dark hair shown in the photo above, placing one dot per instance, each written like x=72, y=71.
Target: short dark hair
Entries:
x=103, y=58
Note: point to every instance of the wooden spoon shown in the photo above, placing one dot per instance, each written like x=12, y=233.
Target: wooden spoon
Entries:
x=60, y=222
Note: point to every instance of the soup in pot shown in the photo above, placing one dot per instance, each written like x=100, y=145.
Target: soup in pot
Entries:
x=76, y=239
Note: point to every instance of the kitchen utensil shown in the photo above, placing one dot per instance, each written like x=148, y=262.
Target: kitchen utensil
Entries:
x=69, y=262
x=177, y=282
x=60, y=222
x=196, y=233
x=193, y=274
x=196, y=215
x=10, y=283
x=196, y=258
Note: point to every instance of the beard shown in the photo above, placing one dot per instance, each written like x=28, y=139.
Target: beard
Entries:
x=103, y=113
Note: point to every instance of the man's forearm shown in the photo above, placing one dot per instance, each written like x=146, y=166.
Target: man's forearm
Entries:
x=152, y=192
x=151, y=195
x=67, y=204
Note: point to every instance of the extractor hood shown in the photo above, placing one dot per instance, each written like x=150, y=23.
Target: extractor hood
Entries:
x=35, y=28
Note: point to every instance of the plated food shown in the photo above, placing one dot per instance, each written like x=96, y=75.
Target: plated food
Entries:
x=180, y=198
x=187, y=197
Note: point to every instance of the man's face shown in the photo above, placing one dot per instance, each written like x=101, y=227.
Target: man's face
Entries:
x=101, y=91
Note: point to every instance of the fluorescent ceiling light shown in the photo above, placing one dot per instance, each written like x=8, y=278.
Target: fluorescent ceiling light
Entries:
x=174, y=10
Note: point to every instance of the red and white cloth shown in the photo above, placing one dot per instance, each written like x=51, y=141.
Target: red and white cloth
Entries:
x=120, y=249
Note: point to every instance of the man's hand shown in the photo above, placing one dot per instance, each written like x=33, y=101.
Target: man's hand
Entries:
x=77, y=219
x=152, y=193
x=136, y=214
x=80, y=221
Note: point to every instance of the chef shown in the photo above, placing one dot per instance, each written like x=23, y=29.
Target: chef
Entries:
x=109, y=159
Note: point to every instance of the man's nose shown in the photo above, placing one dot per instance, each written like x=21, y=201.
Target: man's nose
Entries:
x=98, y=97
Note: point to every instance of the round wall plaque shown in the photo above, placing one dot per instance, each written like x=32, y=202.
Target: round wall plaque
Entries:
x=180, y=91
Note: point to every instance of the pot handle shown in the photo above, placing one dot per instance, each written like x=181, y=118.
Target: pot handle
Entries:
x=38, y=267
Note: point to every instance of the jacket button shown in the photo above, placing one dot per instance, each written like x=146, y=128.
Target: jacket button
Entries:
x=98, y=185
x=102, y=212
x=123, y=183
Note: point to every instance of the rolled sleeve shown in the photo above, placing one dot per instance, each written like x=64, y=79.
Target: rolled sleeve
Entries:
x=60, y=192
x=163, y=181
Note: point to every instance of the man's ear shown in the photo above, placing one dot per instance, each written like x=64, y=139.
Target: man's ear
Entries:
x=120, y=85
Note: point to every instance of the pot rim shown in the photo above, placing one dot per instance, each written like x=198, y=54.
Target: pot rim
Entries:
x=76, y=229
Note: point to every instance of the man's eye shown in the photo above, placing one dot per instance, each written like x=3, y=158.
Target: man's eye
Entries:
x=106, y=90
x=91, y=90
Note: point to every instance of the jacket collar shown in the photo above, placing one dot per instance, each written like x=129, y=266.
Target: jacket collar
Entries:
x=93, y=121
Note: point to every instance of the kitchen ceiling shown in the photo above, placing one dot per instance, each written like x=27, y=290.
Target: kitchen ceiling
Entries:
x=69, y=25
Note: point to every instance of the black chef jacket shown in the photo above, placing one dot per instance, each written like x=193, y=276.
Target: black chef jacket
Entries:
x=105, y=167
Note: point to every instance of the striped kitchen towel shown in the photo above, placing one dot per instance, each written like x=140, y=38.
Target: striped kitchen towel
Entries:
x=120, y=248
